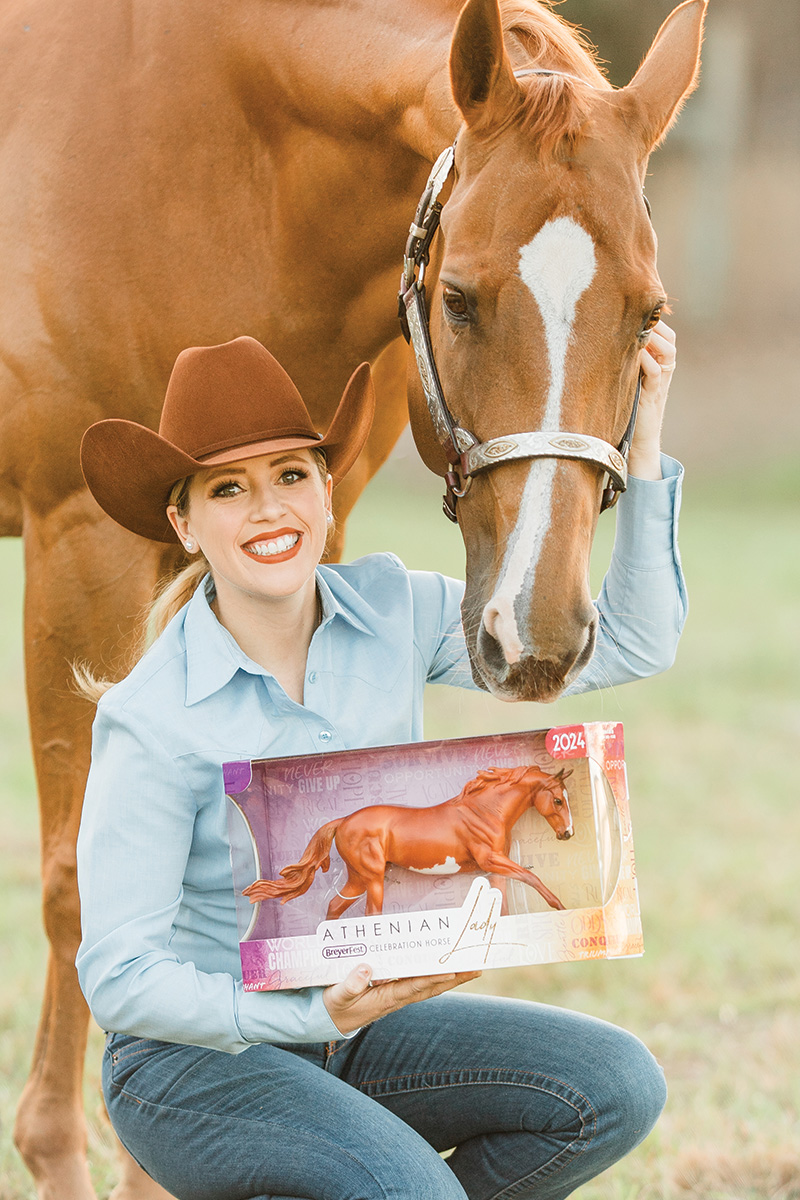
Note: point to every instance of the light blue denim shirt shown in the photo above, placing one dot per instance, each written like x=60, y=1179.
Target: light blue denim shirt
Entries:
x=160, y=956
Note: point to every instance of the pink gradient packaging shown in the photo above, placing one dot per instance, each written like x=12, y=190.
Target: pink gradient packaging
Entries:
x=527, y=858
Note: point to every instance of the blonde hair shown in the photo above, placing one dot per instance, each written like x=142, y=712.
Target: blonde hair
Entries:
x=169, y=598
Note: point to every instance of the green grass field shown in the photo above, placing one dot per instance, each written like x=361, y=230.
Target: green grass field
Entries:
x=712, y=759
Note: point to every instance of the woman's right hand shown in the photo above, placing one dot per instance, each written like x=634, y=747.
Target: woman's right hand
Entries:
x=355, y=1001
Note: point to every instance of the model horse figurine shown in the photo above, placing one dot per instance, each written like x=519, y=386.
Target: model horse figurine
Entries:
x=470, y=833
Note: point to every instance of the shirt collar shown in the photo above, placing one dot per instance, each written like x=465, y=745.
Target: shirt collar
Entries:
x=213, y=656
x=339, y=599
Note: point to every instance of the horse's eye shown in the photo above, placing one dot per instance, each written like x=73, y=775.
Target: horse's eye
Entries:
x=455, y=302
x=653, y=319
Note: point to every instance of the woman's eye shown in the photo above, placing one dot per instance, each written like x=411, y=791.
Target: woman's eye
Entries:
x=229, y=488
x=293, y=475
x=455, y=302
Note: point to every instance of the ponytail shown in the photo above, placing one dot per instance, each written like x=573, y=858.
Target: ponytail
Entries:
x=169, y=598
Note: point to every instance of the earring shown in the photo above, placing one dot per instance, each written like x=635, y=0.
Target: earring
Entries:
x=189, y=545
x=329, y=518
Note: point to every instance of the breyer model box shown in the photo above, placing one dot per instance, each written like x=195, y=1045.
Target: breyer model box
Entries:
x=433, y=857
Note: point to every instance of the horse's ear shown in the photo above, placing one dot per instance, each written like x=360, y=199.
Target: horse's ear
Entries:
x=481, y=76
x=669, y=74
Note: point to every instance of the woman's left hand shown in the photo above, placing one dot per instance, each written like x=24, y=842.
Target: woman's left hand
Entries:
x=657, y=362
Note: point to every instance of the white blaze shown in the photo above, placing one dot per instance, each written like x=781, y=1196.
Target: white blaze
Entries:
x=557, y=265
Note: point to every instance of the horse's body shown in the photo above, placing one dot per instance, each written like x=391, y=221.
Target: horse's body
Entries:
x=465, y=835
x=179, y=174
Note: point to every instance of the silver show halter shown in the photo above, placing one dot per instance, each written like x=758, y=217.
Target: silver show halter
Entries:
x=465, y=453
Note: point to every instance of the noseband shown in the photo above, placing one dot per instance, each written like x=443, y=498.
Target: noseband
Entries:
x=465, y=453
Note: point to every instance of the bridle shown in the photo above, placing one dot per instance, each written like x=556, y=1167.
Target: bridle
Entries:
x=466, y=455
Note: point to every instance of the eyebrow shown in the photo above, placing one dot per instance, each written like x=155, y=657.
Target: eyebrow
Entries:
x=222, y=469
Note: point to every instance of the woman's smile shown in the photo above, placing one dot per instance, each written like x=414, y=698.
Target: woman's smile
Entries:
x=275, y=547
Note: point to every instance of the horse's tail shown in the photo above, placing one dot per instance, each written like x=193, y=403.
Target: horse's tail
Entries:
x=297, y=877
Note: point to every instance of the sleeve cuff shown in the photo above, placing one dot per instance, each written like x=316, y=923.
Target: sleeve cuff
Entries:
x=647, y=519
x=296, y=1016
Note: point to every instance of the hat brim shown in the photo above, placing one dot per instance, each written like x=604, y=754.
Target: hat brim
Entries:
x=131, y=470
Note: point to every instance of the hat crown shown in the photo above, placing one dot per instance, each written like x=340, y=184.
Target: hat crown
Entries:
x=220, y=397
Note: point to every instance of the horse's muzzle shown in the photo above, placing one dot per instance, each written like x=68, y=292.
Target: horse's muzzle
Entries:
x=533, y=678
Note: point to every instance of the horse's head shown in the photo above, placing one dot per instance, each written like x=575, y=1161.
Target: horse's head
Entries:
x=547, y=288
x=550, y=799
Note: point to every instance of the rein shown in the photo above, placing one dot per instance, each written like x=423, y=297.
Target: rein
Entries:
x=465, y=453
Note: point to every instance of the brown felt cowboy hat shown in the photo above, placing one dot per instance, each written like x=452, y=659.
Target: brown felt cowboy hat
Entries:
x=223, y=403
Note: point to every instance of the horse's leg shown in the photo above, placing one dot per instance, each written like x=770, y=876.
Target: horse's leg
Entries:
x=353, y=889
x=496, y=863
x=375, y=895
x=391, y=418
x=501, y=883
x=86, y=580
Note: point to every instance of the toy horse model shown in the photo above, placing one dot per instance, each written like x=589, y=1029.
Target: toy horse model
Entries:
x=470, y=833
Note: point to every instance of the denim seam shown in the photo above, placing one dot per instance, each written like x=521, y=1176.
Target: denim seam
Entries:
x=263, y=1126
x=123, y=1056
x=341, y=1045
x=529, y=1079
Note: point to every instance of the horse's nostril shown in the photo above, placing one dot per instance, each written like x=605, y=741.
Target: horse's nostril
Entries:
x=491, y=651
x=566, y=835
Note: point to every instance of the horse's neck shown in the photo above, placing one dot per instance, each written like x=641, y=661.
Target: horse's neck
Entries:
x=507, y=800
x=376, y=69
x=380, y=69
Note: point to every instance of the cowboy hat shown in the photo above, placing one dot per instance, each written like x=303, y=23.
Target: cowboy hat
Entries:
x=223, y=403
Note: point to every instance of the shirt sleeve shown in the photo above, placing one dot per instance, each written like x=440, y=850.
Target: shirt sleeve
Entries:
x=642, y=604
x=134, y=842
x=438, y=632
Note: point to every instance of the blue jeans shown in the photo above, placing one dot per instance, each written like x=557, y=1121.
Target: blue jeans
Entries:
x=535, y=1100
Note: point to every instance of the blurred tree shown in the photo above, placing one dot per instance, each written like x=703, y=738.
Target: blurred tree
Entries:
x=622, y=30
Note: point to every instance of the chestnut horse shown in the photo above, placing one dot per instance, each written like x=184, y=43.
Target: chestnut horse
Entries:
x=178, y=174
x=470, y=833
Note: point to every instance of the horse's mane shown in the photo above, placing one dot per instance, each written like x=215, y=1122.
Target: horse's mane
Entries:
x=554, y=107
x=474, y=787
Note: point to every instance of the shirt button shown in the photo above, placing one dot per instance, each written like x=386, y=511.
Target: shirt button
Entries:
x=325, y=735
x=313, y=677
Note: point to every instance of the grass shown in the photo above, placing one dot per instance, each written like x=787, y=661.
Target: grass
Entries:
x=712, y=755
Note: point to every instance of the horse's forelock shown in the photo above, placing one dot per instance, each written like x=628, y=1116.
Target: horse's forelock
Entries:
x=543, y=34
x=554, y=108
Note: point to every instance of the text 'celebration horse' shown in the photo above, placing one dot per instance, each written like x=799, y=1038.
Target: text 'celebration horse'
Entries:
x=470, y=833
x=179, y=174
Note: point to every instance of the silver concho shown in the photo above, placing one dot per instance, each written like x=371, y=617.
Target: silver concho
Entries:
x=498, y=449
x=568, y=443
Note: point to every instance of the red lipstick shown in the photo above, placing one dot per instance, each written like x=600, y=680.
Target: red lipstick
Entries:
x=256, y=547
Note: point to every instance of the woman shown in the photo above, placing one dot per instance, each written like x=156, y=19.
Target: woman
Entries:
x=221, y=1093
